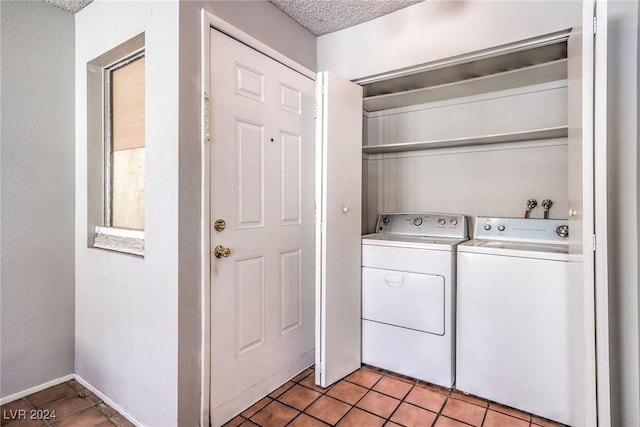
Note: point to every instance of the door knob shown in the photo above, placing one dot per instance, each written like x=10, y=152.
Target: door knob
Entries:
x=221, y=252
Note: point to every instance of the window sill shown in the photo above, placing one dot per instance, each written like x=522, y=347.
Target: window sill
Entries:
x=120, y=240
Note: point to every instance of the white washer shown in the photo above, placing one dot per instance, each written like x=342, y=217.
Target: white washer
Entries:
x=513, y=315
x=408, y=294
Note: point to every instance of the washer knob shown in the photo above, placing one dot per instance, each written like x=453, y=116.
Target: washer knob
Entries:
x=385, y=220
x=501, y=227
x=417, y=221
x=453, y=222
x=487, y=226
x=562, y=231
x=442, y=221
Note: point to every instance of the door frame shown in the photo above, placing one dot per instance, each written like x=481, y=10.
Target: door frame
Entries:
x=211, y=21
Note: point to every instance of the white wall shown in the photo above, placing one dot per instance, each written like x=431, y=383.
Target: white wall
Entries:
x=491, y=180
x=623, y=224
x=126, y=306
x=516, y=110
x=37, y=202
x=438, y=29
x=467, y=181
x=268, y=24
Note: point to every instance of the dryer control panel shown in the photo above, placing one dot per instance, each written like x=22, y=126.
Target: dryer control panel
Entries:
x=522, y=230
x=423, y=224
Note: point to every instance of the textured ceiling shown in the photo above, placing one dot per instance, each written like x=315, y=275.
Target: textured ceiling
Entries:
x=318, y=16
x=70, y=5
x=326, y=16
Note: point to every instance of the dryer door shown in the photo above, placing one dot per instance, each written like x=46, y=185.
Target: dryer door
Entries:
x=409, y=300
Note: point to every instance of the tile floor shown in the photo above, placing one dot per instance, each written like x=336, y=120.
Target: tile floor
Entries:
x=371, y=397
x=65, y=405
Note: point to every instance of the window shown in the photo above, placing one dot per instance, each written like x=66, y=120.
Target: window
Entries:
x=116, y=148
x=125, y=192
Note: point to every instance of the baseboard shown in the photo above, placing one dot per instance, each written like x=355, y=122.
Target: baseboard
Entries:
x=27, y=392
x=82, y=381
x=108, y=401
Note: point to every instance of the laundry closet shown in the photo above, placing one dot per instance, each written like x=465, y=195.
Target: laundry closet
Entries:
x=479, y=137
x=479, y=134
x=476, y=138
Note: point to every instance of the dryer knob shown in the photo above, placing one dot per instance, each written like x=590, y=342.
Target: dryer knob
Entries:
x=417, y=221
x=501, y=227
x=487, y=226
x=453, y=222
x=442, y=221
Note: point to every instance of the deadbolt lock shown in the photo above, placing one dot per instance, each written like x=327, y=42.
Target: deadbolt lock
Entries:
x=219, y=225
x=221, y=252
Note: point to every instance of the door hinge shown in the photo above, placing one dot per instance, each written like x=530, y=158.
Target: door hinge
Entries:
x=595, y=25
x=594, y=242
x=207, y=117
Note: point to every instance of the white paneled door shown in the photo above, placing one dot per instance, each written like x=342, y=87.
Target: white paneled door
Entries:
x=262, y=224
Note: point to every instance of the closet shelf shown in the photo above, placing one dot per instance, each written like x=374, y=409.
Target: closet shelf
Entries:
x=532, y=75
x=528, y=135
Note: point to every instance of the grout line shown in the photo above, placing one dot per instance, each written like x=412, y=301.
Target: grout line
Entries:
x=484, y=417
x=449, y=394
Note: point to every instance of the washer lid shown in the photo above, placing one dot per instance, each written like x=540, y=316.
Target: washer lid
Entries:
x=418, y=242
x=516, y=249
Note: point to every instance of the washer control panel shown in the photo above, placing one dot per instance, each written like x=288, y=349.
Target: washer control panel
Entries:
x=423, y=224
x=523, y=230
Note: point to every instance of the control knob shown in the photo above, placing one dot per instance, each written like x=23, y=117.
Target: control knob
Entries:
x=562, y=231
x=487, y=226
x=501, y=227
x=442, y=221
x=453, y=222
x=385, y=219
x=417, y=221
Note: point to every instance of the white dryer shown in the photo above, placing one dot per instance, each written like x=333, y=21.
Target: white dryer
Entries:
x=408, y=294
x=513, y=313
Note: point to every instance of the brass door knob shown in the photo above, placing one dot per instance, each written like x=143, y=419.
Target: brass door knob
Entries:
x=221, y=252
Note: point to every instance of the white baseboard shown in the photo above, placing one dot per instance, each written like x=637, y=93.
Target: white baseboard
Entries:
x=27, y=392
x=108, y=401
x=82, y=381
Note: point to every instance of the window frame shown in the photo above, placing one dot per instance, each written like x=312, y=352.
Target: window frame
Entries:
x=100, y=233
